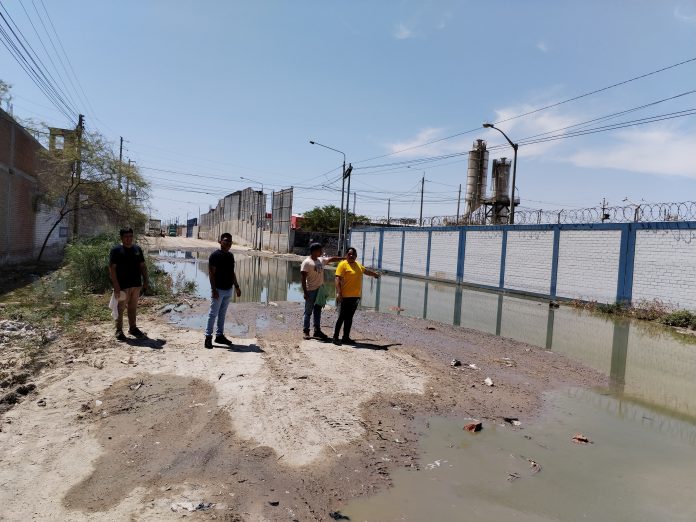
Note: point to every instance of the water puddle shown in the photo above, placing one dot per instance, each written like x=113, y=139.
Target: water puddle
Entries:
x=640, y=466
x=262, y=279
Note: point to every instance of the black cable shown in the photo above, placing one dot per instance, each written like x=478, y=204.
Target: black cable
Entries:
x=568, y=100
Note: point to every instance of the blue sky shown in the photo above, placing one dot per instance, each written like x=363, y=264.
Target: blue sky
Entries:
x=237, y=89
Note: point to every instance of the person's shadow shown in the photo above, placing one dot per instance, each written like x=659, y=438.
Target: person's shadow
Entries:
x=372, y=346
x=146, y=342
x=240, y=348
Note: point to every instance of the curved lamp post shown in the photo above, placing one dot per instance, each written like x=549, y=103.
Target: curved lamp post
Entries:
x=514, y=170
x=343, y=188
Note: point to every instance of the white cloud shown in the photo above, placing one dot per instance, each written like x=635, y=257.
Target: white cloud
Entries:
x=688, y=18
x=541, y=45
x=401, y=32
x=661, y=151
x=415, y=147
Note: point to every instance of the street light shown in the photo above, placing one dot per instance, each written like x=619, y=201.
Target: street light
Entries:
x=514, y=170
x=262, y=210
x=343, y=188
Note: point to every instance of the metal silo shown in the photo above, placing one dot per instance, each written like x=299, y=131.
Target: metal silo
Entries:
x=476, y=176
x=501, y=180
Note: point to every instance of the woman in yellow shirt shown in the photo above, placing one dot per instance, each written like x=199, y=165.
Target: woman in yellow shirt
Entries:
x=348, y=291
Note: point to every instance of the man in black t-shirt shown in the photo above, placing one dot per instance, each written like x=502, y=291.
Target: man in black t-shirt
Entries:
x=128, y=274
x=222, y=280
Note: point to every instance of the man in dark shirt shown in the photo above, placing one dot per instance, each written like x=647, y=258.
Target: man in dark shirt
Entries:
x=128, y=274
x=222, y=280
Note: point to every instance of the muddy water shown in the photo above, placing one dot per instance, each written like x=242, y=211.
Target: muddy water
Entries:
x=642, y=465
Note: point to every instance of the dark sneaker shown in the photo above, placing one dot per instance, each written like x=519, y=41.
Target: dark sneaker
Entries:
x=120, y=335
x=208, y=341
x=135, y=332
x=321, y=335
x=348, y=340
x=336, y=341
x=223, y=340
x=305, y=335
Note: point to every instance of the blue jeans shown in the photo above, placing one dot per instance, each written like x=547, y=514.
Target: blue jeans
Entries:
x=310, y=309
x=218, y=309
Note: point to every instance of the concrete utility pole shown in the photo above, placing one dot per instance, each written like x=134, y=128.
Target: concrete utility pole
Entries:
x=459, y=200
x=343, y=187
x=347, y=174
x=128, y=181
x=420, y=221
x=120, y=164
x=78, y=174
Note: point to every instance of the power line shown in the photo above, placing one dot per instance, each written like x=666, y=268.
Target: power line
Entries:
x=67, y=58
x=25, y=59
x=534, y=111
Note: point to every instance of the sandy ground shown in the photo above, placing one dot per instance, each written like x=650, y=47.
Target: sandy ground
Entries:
x=275, y=428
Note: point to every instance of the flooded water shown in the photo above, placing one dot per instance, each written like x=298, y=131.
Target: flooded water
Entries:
x=642, y=465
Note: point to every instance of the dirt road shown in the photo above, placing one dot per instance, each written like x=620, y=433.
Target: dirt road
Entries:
x=275, y=428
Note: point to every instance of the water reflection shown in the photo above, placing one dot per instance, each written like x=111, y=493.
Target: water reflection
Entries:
x=649, y=365
x=262, y=279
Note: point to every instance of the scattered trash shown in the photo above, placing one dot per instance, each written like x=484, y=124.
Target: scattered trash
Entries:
x=167, y=309
x=337, y=515
x=473, y=366
x=220, y=376
x=506, y=361
x=179, y=507
x=488, y=381
x=455, y=362
x=272, y=304
x=136, y=387
x=130, y=361
x=536, y=468
x=512, y=420
x=554, y=304
x=579, y=438
x=396, y=309
x=98, y=403
x=181, y=308
x=274, y=503
x=473, y=427
x=430, y=328
x=41, y=402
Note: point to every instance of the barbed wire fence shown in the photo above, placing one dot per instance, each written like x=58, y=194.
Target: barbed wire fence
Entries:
x=633, y=213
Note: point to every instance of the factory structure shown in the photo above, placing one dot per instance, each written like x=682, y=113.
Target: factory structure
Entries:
x=492, y=208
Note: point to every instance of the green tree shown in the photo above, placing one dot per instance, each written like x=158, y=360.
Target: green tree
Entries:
x=68, y=188
x=327, y=219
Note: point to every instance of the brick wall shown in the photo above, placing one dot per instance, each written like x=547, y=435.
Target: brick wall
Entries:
x=370, y=253
x=18, y=189
x=391, y=254
x=665, y=267
x=482, y=257
x=595, y=262
x=45, y=218
x=444, y=249
x=416, y=253
x=528, y=260
x=588, y=264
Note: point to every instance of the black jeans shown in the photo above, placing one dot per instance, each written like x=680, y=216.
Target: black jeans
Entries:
x=346, y=311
